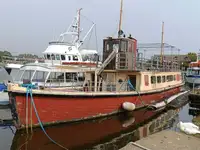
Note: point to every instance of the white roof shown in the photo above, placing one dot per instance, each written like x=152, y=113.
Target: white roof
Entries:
x=15, y=66
x=88, y=51
x=61, y=49
x=59, y=68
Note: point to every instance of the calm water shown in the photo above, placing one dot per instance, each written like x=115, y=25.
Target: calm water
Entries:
x=105, y=133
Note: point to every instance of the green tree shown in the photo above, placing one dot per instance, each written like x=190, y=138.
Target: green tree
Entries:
x=6, y=53
x=192, y=57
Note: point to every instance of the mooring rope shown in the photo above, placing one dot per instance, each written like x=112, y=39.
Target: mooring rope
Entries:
x=31, y=115
x=29, y=91
x=131, y=85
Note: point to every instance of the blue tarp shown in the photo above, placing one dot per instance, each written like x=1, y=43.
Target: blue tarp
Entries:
x=3, y=87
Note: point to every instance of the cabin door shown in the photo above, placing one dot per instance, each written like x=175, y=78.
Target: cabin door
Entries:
x=132, y=79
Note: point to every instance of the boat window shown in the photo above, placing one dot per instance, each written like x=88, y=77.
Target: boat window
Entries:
x=120, y=81
x=52, y=56
x=18, y=76
x=45, y=56
x=27, y=76
x=57, y=57
x=40, y=76
x=195, y=72
x=174, y=77
x=110, y=45
x=48, y=56
x=81, y=77
x=14, y=72
x=158, y=79
x=69, y=58
x=169, y=78
x=153, y=79
x=62, y=57
x=163, y=79
x=107, y=47
x=71, y=77
x=75, y=58
x=56, y=77
x=123, y=46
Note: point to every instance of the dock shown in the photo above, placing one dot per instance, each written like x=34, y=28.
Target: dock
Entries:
x=165, y=140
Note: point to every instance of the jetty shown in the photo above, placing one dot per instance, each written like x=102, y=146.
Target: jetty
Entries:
x=165, y=140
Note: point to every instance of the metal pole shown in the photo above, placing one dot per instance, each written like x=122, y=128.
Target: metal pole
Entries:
x=120, y=21
x=171, y=59
x=193, y=85
x=179, y=60
x=162, y=44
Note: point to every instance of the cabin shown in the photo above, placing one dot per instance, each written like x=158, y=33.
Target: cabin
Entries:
x=125, y=58
x=60, y=52
x=120, y=70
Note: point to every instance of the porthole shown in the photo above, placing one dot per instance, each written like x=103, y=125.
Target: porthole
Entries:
x=120, y=81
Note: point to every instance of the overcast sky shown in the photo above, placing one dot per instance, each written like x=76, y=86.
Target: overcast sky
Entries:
x=28, y=25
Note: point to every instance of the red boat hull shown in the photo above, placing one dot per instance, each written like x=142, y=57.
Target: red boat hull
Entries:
x=56, y=108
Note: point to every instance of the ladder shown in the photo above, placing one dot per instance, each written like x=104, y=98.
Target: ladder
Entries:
x=108, y=60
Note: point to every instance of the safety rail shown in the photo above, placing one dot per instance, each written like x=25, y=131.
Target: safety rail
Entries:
x=128, y=61
x=52, y=83
x=89, y=86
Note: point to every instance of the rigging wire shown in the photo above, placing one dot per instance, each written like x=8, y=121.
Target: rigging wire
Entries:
x=95, y=30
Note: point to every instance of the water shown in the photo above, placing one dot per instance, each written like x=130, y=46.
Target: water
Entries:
x=106, y=133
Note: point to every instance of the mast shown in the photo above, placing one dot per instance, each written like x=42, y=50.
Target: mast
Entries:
x=120, y=32
x=162, y=44
x=79, y=22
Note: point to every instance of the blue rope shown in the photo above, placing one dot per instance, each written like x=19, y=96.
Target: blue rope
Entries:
x=29, y=90
x=131, y=86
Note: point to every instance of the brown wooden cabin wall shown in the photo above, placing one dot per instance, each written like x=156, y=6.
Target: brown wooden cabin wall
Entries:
x=126, y=57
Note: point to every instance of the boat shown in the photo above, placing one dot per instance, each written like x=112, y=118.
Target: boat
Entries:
x=68, y=50
x=193, y=73
x=12, y=69
x=122, y=83
x=8, y=73
x=112, y=132
x=62, y=60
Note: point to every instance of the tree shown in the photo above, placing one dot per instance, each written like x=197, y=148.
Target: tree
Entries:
x=192, y=57
x=6, y=53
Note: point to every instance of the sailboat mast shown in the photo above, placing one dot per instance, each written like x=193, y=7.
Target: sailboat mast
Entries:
x=120, y=21
x=162, y=44
x=79, y=22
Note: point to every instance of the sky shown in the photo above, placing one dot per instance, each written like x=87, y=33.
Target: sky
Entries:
x=28, y=25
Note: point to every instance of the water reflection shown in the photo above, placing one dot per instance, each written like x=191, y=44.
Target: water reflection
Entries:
x=194, y=109
x=110, y=133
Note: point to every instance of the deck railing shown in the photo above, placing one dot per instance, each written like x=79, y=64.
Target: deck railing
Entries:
x=128, y=61
x=102, y=86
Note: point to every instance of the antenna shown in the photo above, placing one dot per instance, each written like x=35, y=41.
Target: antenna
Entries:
x=162, y=44
x=120, y=32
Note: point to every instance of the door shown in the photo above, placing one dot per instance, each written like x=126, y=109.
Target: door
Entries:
x=132, y=79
